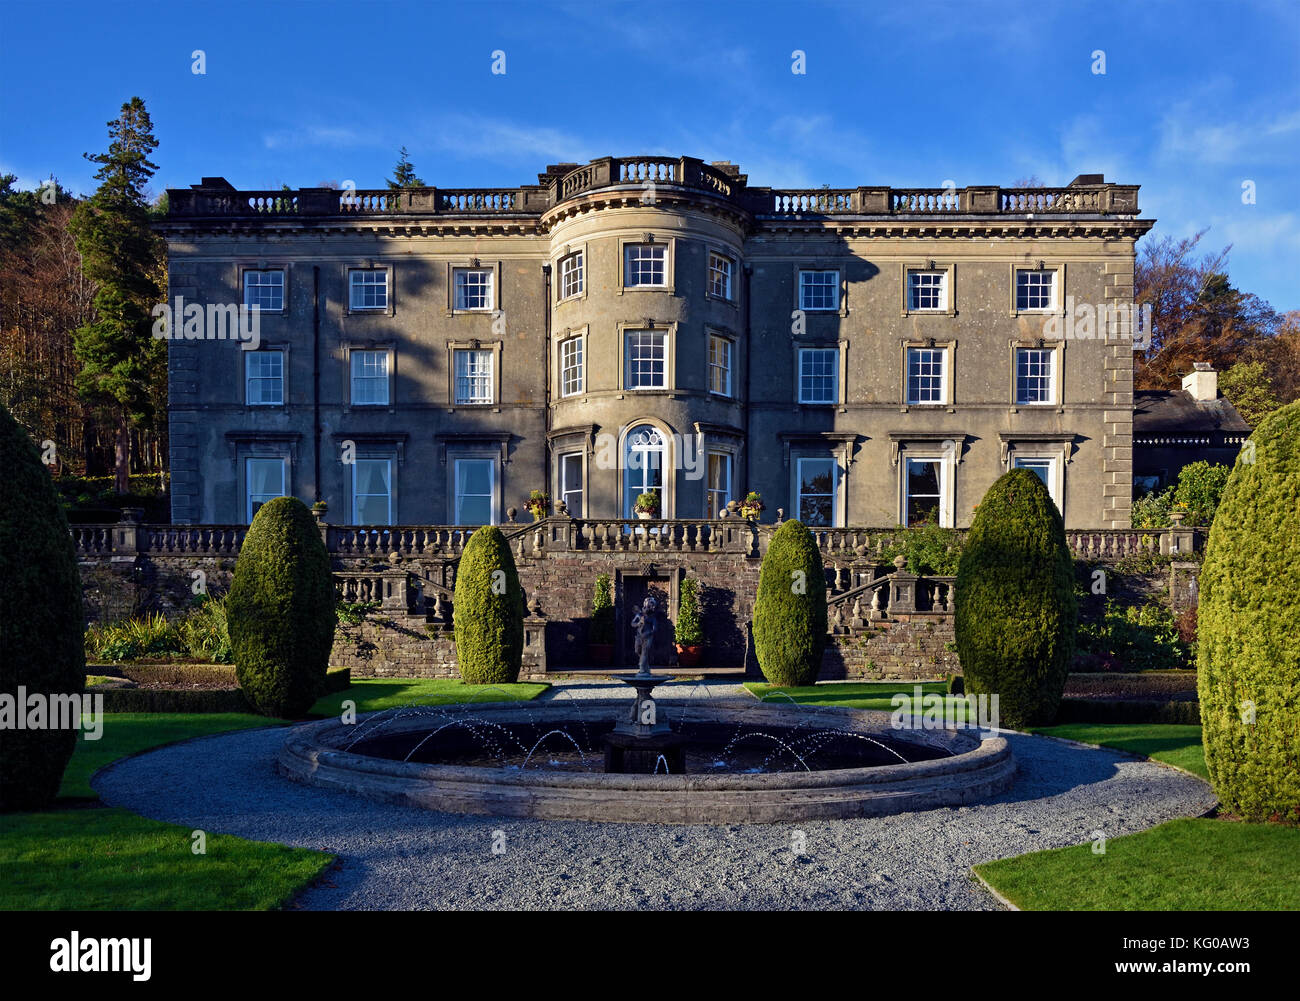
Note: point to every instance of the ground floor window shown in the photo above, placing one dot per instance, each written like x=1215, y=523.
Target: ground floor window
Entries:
x=926, y=492
x=1045, y=468
x=817, y=480
x=643, y=467
x=571, y=482
x=265, y=479
x=372, y=491
x=718, y=490
x=475, y=492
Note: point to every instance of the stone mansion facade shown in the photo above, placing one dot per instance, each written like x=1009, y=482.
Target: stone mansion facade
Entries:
x=866, y=356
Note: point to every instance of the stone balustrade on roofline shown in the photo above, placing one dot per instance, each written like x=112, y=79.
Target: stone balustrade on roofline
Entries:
x=1087, y=196
x=562, y=535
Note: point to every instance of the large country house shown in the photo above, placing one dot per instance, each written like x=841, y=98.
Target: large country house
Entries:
x=861, y=356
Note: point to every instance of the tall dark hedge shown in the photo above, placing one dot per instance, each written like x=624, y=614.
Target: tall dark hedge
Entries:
x=489, y=611
x=1016, y=613
x=42, y=625
x=790, y=610
x=1248, y=628
x=280, y=611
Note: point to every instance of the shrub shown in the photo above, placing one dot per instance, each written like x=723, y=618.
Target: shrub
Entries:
x=1073, y=710
x=602, y=613
x=1016, y=613
x=205, y=631
x=489, y=611
x=1152, y=511
x=790, y=609
x=1200, y=486
x=956, y=685
x=1248, y=655
x=1135, y=638
x=280, y=610
x=689, y=630
x=927, y=548
x=41, y=619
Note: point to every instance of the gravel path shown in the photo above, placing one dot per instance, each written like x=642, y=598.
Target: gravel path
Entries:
x=401, y=858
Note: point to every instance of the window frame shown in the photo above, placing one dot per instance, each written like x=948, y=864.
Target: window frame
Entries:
x=1055, y=481
x=1055, y=393
x=491, y=376
x=649, y=239
x=351, y=351
x=386, y=270
x=579, y=255
x=456, y=287
x=391, y=462
x=947, y=479
x=285, y=485
x=711, y=507
x=625, y=357
x=247, y=356
x=838, y=285
x=717, y=337
x=1058, y=289
x=945, y=384
x=564, y=459
x=837, y=477
x=283, y=270
x=732, y=263
x=494, y=487
x=836, y=380
x=949, y=273
x=561, y=368
x=667, y=477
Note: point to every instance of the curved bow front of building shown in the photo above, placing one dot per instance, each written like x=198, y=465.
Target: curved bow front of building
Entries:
x=862, y=356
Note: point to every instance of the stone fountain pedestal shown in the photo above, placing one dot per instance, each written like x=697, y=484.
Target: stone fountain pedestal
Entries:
x=641, y=738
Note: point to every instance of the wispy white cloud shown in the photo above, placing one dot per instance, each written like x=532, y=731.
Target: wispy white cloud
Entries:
x=303, y=136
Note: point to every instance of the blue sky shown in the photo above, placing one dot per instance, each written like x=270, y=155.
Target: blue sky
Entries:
x=1197, y=97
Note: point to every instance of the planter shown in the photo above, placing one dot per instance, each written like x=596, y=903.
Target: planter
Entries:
x=646, y=515
x=600, y=654
x=689, y=656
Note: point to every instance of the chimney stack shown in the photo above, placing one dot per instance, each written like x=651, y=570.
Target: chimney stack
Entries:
x=1202, y=382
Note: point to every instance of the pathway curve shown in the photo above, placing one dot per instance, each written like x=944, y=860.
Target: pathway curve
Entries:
x=397, y=857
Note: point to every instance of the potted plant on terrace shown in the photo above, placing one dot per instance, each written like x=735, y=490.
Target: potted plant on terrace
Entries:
x=537, y=503
x=690, y=634
x=647, y=505
x=752, y=506
x=600, y=638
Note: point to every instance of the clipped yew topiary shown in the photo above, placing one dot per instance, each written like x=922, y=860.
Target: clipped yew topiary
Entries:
x=41, y=621
x=280, y=610
x=489, y=611
x=1016, y=613
x=1248, y=628
x=790, y=610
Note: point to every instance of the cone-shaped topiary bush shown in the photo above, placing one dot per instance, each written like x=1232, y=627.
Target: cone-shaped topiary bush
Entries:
x=790, y=610
x=280, y=611
x=1248, y=628
x=1016, y=613
x=489, y=611
x=42, y=626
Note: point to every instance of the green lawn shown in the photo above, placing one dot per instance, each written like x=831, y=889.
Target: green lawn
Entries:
x=849, y=694
x=104, y=859
x=1182, y=865
x=385, y=693
x=1178, y=745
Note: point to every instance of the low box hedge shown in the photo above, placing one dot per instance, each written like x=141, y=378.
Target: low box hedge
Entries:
x=197, y=700
x=1128, y=711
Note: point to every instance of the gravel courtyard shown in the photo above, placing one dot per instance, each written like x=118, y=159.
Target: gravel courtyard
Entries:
x=403, y=858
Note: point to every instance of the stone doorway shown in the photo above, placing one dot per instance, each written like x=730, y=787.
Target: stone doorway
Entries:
x=634, y=590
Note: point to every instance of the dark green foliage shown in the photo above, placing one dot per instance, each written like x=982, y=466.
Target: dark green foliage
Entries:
x=489, y=611
x=1072, y=710
x=602, y=613
x=689, y=630
x=1016, y=613
x=1248, y=630
x=41, y=618
x=280, y=610
x=1135, y=638
x=404, y=173
x=927, y=548
x=956, y=685
x=790, y=610
x=175, y=700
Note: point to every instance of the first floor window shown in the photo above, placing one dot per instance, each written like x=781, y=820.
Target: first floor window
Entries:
x=372, y=491
x=719, y=365
x=474, y=288
x=264, y=290
x=369, y=378
x=264, y=378
x=924, y=484
x=572, y=275
x=819, y=290
x=819, y=370
x=720, y=275
x=816, y=491
x=475, y=491
x=925, y=375
x=1044, y=467
x=368, y=288
x=1035, y=290
x=927, y=291
x=644, y=452
x=571, y=482
x=473, y=376
x=645, y=265
x=264, y=481
x=647, y=359
x=571, y=371
x=1035, y=375
x=719, y=484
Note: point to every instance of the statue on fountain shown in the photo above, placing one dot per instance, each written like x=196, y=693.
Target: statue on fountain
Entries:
x=645, y=622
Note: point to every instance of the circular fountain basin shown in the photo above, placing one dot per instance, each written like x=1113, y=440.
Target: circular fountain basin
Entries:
x=527, y=760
